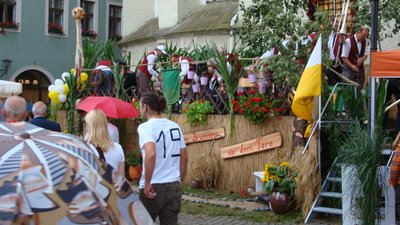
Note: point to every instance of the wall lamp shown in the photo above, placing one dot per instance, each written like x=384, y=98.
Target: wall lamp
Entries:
x=6, y=63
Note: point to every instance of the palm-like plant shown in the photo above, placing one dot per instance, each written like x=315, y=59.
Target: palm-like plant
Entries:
x=109, y=50
x=231, y=69
x=91, y=52
x=360, y=145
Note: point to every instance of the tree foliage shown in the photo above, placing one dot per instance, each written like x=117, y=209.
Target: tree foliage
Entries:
x=266, y=24
x=388, y=17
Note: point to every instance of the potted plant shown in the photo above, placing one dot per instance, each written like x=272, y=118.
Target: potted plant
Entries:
x=196, y=112
x=10, y=25
x=134, y=160
x=280, y=182
x=91, y=34
x=258, y=107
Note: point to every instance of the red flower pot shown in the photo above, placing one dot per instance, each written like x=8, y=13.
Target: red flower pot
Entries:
x=135, y=172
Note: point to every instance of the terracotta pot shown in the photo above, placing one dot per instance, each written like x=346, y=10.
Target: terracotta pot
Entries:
x=281, y=202
x=135, y=172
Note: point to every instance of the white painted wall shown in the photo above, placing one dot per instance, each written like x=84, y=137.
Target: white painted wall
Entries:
x=172, y=11
x=135, y=13
x=168, y=13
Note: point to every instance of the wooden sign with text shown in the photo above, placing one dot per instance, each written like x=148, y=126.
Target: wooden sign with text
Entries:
x=204, y=135
x=259, y=144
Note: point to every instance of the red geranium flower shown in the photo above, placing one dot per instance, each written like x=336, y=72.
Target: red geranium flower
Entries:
x=258, y=107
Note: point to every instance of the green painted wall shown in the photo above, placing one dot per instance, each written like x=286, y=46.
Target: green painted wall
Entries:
x=30, y=46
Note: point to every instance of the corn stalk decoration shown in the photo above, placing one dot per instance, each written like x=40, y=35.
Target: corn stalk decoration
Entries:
x=77, y=88
x=230, y=68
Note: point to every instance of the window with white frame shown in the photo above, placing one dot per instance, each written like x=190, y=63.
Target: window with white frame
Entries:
x=8, y=14
x=56, y=17
x=114, y=22
x=88, y=23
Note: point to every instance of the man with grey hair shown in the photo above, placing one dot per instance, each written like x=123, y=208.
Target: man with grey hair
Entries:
x=353, y=56
x=39, y=111
x=14, y=109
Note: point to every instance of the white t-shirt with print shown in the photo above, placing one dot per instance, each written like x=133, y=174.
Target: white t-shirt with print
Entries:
x=168, y=139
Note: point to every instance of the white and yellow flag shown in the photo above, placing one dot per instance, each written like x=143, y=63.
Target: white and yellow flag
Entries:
x=309, y=85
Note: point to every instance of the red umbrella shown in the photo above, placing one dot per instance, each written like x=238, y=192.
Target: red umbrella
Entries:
x=112, y=107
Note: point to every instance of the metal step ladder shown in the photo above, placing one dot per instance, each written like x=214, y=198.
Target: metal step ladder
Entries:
x=333, y=180
x=334, y=177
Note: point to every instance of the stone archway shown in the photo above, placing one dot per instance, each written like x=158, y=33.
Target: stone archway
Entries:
x=35, y=84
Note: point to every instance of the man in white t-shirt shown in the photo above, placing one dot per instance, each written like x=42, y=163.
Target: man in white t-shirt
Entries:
x=164, y=161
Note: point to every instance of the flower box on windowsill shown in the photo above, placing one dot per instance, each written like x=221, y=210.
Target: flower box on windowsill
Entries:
x=91, y=34
x=55, y=29
x=9, y=25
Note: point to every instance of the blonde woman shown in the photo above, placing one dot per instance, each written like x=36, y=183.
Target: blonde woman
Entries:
x=96, y=134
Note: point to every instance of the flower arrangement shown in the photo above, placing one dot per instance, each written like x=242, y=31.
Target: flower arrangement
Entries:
x=90, y=34
x=280, y=178
x=258, y=107
x=134, y=158
x=197, y=111
x=9, y=25
x=55, y=28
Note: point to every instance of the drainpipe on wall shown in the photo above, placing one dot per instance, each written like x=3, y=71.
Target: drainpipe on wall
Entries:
x=232, y=35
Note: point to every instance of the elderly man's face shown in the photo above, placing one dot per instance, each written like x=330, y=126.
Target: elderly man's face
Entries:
x=363, y=34
x=159, y=53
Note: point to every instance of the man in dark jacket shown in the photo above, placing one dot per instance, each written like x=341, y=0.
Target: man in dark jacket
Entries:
x=129, y=78
x=39, y=110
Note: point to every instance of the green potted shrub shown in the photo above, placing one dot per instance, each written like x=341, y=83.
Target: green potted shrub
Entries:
x=196, y=112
